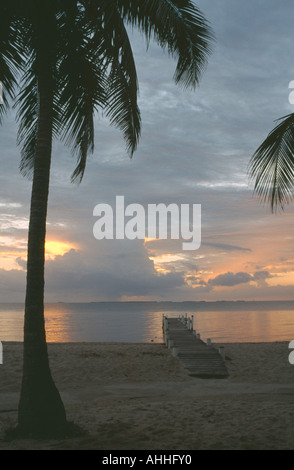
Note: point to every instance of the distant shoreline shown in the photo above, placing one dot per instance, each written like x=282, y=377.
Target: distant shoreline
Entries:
x=187, y=304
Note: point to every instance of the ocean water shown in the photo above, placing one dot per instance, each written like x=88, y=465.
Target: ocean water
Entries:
x=140, y=322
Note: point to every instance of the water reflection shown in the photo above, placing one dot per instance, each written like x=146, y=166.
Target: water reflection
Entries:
x=246, y=326
x=142, y=322
x=58, y=322
x=11, y=322
x=152, y=327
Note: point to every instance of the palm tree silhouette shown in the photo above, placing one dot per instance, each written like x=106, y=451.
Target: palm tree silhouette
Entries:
x=71, y=59
x=272, y=165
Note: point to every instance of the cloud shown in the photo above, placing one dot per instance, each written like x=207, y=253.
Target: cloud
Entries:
x=230, y=279
x=112, y=272
x=21, y=262
x=12, y=285
x=262, y=275
x=226, y=247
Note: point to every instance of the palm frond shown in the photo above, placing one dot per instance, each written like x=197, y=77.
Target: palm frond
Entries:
x=27, y=105
x=27, y=115
x=82, y=94
x=122, y=108
x=92, y=64
x=178, y=26
x=272, y=165
x=117, y=56
x=11, y=59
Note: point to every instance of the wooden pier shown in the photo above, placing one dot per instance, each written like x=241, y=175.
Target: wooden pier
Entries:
x=199, y=358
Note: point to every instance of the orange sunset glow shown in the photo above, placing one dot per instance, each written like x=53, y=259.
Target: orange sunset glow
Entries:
x=13, y=251
x=55, y=248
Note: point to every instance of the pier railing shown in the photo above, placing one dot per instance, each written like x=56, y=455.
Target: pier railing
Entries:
x=184, y=341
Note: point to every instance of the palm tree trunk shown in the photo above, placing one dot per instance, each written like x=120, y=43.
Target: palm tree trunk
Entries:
x=40, y=407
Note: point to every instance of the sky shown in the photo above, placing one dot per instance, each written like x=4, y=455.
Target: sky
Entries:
x=195, y=148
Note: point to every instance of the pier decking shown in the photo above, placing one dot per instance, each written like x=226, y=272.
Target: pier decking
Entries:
x=200, y=359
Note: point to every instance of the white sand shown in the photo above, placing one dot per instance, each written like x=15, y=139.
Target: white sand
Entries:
x=137, y=396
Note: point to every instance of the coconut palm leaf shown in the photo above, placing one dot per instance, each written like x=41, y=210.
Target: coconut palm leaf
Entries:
x=11, y=58
x=111, y=36
x=179, y=27
x=27, y=115
x=82, y=94
x=272, y=165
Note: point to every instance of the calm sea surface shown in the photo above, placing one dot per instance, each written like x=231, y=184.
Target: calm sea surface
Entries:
x=140, y=322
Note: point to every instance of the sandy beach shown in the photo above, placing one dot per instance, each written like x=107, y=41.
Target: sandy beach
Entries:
x=139, y=397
